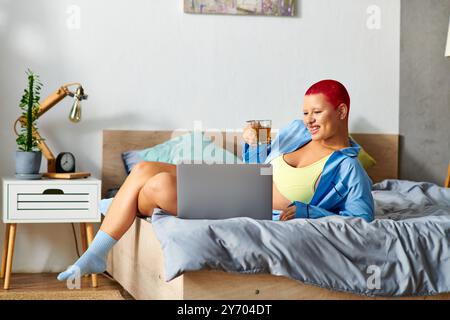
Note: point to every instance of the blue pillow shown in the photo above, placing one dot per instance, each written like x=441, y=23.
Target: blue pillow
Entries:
x=181, y=149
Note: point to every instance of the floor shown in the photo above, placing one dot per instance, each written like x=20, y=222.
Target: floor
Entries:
x=21, y=282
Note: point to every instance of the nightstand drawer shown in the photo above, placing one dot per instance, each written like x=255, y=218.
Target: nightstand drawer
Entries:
x=53, y=203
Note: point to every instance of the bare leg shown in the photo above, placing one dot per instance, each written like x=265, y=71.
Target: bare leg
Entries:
x=123, y=209
x=159, y=192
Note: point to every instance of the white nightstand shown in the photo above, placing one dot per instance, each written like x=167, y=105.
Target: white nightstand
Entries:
x=48, y=201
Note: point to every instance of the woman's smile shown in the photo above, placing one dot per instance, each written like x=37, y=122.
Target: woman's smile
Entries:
x=313, y=129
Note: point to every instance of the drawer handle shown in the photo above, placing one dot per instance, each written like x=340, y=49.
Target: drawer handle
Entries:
x=53, y=191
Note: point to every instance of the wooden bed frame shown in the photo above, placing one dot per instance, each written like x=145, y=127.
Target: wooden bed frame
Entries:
x=137, y=260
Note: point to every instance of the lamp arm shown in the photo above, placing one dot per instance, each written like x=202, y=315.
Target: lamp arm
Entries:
x=51, y=160
x=55, y=97
x=44, y=106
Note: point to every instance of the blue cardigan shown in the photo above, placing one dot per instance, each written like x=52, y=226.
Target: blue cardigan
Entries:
x=344, y=187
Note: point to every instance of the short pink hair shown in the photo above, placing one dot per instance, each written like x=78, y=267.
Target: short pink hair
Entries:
x=333, y=90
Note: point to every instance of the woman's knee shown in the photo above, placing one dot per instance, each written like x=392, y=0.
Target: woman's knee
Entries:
x=142, y=168
x=151, y=168
x=156, y=191
x=159, y=182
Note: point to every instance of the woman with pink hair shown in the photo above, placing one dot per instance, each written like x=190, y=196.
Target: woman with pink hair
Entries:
x=316, y=173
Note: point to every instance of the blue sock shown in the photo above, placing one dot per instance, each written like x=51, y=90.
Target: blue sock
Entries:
x=93, y=260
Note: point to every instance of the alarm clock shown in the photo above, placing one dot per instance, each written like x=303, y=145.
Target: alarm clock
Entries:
x=65, y=162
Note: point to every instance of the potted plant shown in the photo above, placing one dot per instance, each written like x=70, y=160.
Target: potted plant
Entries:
x=28, y=155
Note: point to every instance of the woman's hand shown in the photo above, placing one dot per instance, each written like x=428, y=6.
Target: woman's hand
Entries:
x=249, y=135
x=288, y=213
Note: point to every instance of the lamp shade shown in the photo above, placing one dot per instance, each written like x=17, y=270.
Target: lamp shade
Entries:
x=447, y=47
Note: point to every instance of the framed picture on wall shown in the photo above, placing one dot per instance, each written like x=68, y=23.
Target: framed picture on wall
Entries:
x=241, y=7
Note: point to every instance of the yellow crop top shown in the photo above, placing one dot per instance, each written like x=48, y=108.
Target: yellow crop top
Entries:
x=296, y=184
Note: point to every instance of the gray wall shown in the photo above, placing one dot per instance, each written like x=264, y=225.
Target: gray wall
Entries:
x=424, y=91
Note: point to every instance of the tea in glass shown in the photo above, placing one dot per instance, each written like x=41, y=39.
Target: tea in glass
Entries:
x=262, y=128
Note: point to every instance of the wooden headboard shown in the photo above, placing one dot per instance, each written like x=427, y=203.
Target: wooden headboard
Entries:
x=383, y=147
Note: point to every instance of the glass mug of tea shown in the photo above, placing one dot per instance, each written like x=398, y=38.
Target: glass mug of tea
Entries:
x=262, y=129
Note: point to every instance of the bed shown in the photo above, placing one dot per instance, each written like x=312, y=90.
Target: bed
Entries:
x=137, y=260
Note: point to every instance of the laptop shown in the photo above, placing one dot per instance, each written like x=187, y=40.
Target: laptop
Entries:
x=222, y=191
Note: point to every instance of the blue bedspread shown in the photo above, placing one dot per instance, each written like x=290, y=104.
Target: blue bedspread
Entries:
x=405, y=251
